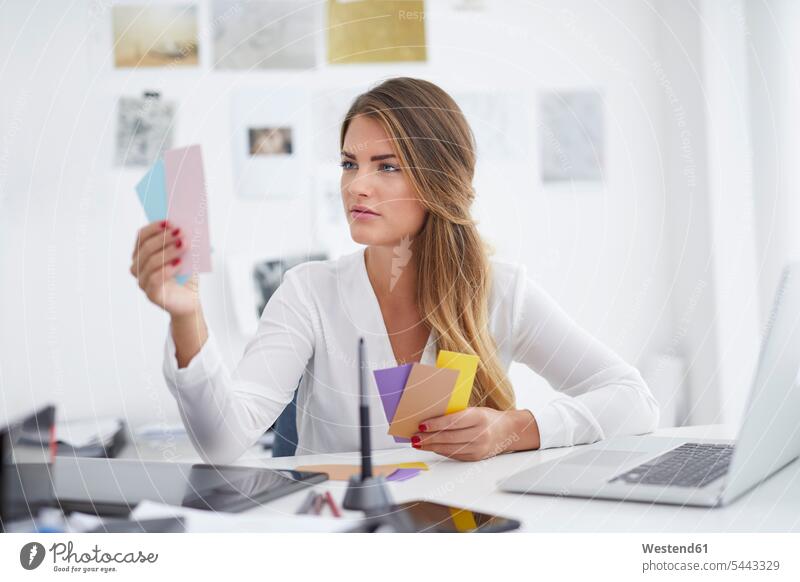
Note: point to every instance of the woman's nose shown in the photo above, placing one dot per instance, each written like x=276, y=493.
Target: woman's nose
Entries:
x=362, y=184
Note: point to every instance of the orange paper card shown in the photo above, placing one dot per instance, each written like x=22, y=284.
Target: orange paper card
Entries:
x=344, y=472
x=426, y=395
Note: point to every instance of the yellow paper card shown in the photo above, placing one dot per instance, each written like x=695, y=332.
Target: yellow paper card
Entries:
x=467, y=365
x=463, y=519
x=412, y=465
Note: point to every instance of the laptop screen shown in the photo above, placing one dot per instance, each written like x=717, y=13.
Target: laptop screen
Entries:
x=27, y=452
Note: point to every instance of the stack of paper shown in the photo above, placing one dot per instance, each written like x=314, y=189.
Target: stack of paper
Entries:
x=393, y=472
x=174, y=189
x=413, y=393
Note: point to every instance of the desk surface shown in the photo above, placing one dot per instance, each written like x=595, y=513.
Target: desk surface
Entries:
x=772, y=507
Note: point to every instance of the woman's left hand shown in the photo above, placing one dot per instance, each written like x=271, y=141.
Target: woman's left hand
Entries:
x=478, y=433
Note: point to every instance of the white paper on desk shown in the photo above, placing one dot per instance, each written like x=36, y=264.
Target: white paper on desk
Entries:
x=80, y=433
x=81, y=522
x=200, y=521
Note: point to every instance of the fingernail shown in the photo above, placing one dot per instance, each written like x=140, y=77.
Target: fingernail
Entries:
x=176, y=232
x=179, y=244
x=423, y=427
x=415, y=440
x=175, y=261
x=416, y=445
x=163, y=224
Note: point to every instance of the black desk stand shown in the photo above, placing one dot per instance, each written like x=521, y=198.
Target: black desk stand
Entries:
x=366, y=492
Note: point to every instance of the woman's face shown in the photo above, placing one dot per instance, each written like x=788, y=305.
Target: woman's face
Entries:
x=381, y=205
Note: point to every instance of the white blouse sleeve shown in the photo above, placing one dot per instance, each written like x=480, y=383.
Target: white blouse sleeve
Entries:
x=224, y=414
x=600, y=394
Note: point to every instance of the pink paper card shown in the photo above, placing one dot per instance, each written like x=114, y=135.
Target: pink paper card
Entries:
x=187, y=206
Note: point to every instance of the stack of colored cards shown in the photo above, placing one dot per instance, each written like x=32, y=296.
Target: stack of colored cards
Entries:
x=174, y=189
x=413, y=393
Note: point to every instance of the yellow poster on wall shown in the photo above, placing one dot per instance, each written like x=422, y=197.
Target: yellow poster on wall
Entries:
x=376, y=31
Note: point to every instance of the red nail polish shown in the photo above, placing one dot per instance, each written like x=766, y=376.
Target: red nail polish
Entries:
x=415, y=440
x=176, y=232
x=423, y=427
x=179, y=244
x=163, y=224
x=175, y=261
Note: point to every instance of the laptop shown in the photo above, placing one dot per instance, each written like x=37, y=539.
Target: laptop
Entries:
x=697, y=472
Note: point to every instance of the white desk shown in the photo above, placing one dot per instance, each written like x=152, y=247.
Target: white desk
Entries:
x=772, y=507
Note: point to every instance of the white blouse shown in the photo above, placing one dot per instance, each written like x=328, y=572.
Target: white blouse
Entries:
x=309, y=330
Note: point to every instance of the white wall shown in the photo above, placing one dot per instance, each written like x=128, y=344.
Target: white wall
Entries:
x=76, y=329
x=773, y=58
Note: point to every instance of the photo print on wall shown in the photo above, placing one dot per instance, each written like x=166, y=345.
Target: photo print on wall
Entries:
x=162, y=35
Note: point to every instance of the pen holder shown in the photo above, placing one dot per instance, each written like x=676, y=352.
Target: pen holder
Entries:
x=367, y=494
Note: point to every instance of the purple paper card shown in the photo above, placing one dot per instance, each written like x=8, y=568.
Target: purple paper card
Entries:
x=391, y=383
x=403, y=474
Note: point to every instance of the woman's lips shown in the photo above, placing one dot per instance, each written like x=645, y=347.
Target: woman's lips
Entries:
x=363, y=214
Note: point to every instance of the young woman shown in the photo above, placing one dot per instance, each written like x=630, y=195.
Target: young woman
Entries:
x=424, y=282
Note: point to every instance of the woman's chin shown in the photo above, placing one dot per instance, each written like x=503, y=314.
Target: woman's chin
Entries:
x=364, y=235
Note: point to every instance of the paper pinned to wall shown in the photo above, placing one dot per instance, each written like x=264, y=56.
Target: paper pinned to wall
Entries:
x=155, y=35
x=144, y=130
x=275, y=171
x=369, y=31
x=265, y=35
x=572, y=136
x=241, y=291
x=497, y=121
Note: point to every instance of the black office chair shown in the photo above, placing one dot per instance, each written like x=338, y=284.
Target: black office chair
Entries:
x=285, y=429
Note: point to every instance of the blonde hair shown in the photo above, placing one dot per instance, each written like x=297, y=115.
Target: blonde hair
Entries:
x=437, y=150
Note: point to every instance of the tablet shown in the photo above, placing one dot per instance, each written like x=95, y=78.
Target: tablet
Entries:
x=113, y=487
x=427, y=516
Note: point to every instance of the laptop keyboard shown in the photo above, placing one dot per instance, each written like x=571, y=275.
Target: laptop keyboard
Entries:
x=689, y=465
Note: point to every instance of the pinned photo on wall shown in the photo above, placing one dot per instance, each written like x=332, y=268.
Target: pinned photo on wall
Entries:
x=270, y=142
x=268, y=275
x=272, y=34
x=144, y=129
x=572, y=136
x=368, y=31
x=251, y=281
x=163, y=35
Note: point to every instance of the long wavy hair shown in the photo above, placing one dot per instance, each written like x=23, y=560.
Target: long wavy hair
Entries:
x=437, y=150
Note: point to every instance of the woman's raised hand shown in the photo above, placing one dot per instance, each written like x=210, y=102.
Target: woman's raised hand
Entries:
x=157, y=257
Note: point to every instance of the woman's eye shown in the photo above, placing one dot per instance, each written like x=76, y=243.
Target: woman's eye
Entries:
x=347, y=165
x=389, y=168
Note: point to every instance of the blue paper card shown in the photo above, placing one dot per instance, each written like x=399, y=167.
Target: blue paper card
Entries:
x=152, y=193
